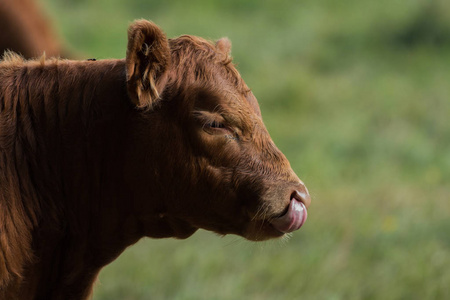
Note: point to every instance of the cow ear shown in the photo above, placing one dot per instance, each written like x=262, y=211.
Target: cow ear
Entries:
x=147, y=62
x=223, y=46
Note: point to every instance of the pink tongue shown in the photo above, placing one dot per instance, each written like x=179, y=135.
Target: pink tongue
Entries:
x=293, y=219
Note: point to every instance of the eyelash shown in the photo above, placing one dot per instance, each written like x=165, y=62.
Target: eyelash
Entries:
x=215, y=124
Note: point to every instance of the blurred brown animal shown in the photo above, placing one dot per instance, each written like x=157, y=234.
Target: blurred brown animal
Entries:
x=95, y=155
x=25, y=30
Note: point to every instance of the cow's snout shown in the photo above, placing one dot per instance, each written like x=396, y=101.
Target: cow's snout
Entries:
x=295, y=214
x=302, y=195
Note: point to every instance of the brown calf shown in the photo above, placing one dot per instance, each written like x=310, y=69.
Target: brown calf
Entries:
x=25, y=30
x=95, y=155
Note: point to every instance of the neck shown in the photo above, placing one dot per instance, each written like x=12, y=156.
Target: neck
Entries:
x=80, y=139
x=94, y=187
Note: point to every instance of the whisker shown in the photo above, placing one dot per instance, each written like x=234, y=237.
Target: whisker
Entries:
x=235, y=241
x=285, y=239
x=264, y=217
x=258, y=212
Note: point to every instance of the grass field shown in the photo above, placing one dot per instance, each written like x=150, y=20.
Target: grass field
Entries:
x=357, y=96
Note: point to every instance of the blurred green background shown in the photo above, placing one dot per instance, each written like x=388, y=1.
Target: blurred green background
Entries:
x=356, y=94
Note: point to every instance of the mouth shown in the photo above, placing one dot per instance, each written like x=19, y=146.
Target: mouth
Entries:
x=294, y=217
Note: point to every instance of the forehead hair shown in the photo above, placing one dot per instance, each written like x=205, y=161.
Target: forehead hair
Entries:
x=198, y=60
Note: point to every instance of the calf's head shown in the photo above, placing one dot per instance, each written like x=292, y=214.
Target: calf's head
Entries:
x=223, y=170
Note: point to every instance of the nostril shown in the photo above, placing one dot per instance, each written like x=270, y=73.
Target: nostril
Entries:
x=302, y=197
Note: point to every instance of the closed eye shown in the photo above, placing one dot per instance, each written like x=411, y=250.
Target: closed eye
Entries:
x=215, y=124
x=216, y=127
x=210, y=121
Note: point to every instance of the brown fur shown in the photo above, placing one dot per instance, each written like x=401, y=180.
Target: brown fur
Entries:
x=25, y=30
x=96, y=155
